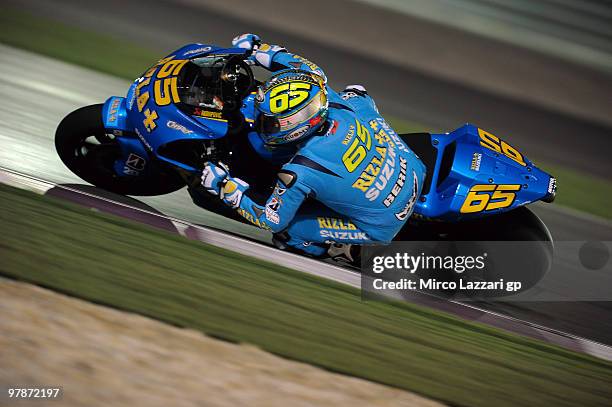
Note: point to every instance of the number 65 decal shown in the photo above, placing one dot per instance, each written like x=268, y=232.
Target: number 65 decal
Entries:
x=494, y=143
x=289, y=95
x=355, y=154
x=487, y=197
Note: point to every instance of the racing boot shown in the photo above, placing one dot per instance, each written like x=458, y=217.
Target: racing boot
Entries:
x=345, y=252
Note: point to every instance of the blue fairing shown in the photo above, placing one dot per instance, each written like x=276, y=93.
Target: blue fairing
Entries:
x=159, y=123
x=480, y=162
x=196, y=49
x=135, y=159
x=143, y=126
x=114, y=114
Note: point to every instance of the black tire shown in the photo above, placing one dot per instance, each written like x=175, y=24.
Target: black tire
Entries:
x=518, y=225
x=94, y=162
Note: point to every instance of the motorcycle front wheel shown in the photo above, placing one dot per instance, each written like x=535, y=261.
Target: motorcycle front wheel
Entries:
x=84, y=147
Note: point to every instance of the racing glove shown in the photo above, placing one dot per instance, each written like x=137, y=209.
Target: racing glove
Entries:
x=247, y=41
x=217, y=181
x=262, y=54
x=232, y=192
x=213, y=177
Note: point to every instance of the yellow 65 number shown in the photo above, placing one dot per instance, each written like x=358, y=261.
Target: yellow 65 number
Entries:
x=165, y=88
x=479, y=198
x=288, y=95
x=358, y=150
x=492, y=142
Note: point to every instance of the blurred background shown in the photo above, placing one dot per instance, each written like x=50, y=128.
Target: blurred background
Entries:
x=536, y=72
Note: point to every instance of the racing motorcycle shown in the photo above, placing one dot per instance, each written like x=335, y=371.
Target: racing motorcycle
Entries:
x=196, y=105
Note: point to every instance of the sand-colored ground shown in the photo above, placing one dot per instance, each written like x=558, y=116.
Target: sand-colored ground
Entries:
x=104, y=357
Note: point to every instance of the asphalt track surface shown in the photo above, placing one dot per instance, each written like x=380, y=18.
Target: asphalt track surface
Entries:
x=38, y=92
x=165, y=25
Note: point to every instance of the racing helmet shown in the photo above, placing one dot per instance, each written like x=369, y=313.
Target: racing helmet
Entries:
x=290, y=107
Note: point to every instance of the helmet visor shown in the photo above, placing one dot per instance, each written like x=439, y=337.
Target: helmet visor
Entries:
x=268, y=125
x=303, y=115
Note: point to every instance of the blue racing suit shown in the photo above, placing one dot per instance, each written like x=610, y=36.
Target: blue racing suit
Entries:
x=353, y=182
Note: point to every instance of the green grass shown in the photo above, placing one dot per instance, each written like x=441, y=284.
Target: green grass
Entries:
x=81, y=47
x=120, y=58
x=582, y=191
x=111, y=261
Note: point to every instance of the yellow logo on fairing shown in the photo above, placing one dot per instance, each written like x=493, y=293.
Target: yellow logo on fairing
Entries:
x=480, y=198
x=172, y=67
x=165, y=87
x=149, y=121
x=211, y=115
x=492, y=142
x=166, y=91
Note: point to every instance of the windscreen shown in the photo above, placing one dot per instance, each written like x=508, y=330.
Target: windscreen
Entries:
x=214, y=82
x=201, y=84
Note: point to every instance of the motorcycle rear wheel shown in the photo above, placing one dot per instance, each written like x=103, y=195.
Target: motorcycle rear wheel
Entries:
x=517, y=225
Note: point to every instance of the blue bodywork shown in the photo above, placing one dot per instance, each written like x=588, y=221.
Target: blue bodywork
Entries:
x=171, y=124
x=478, y=158
x=474, y=158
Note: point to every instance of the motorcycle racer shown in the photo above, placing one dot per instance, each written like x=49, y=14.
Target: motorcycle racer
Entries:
x=347, y=178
